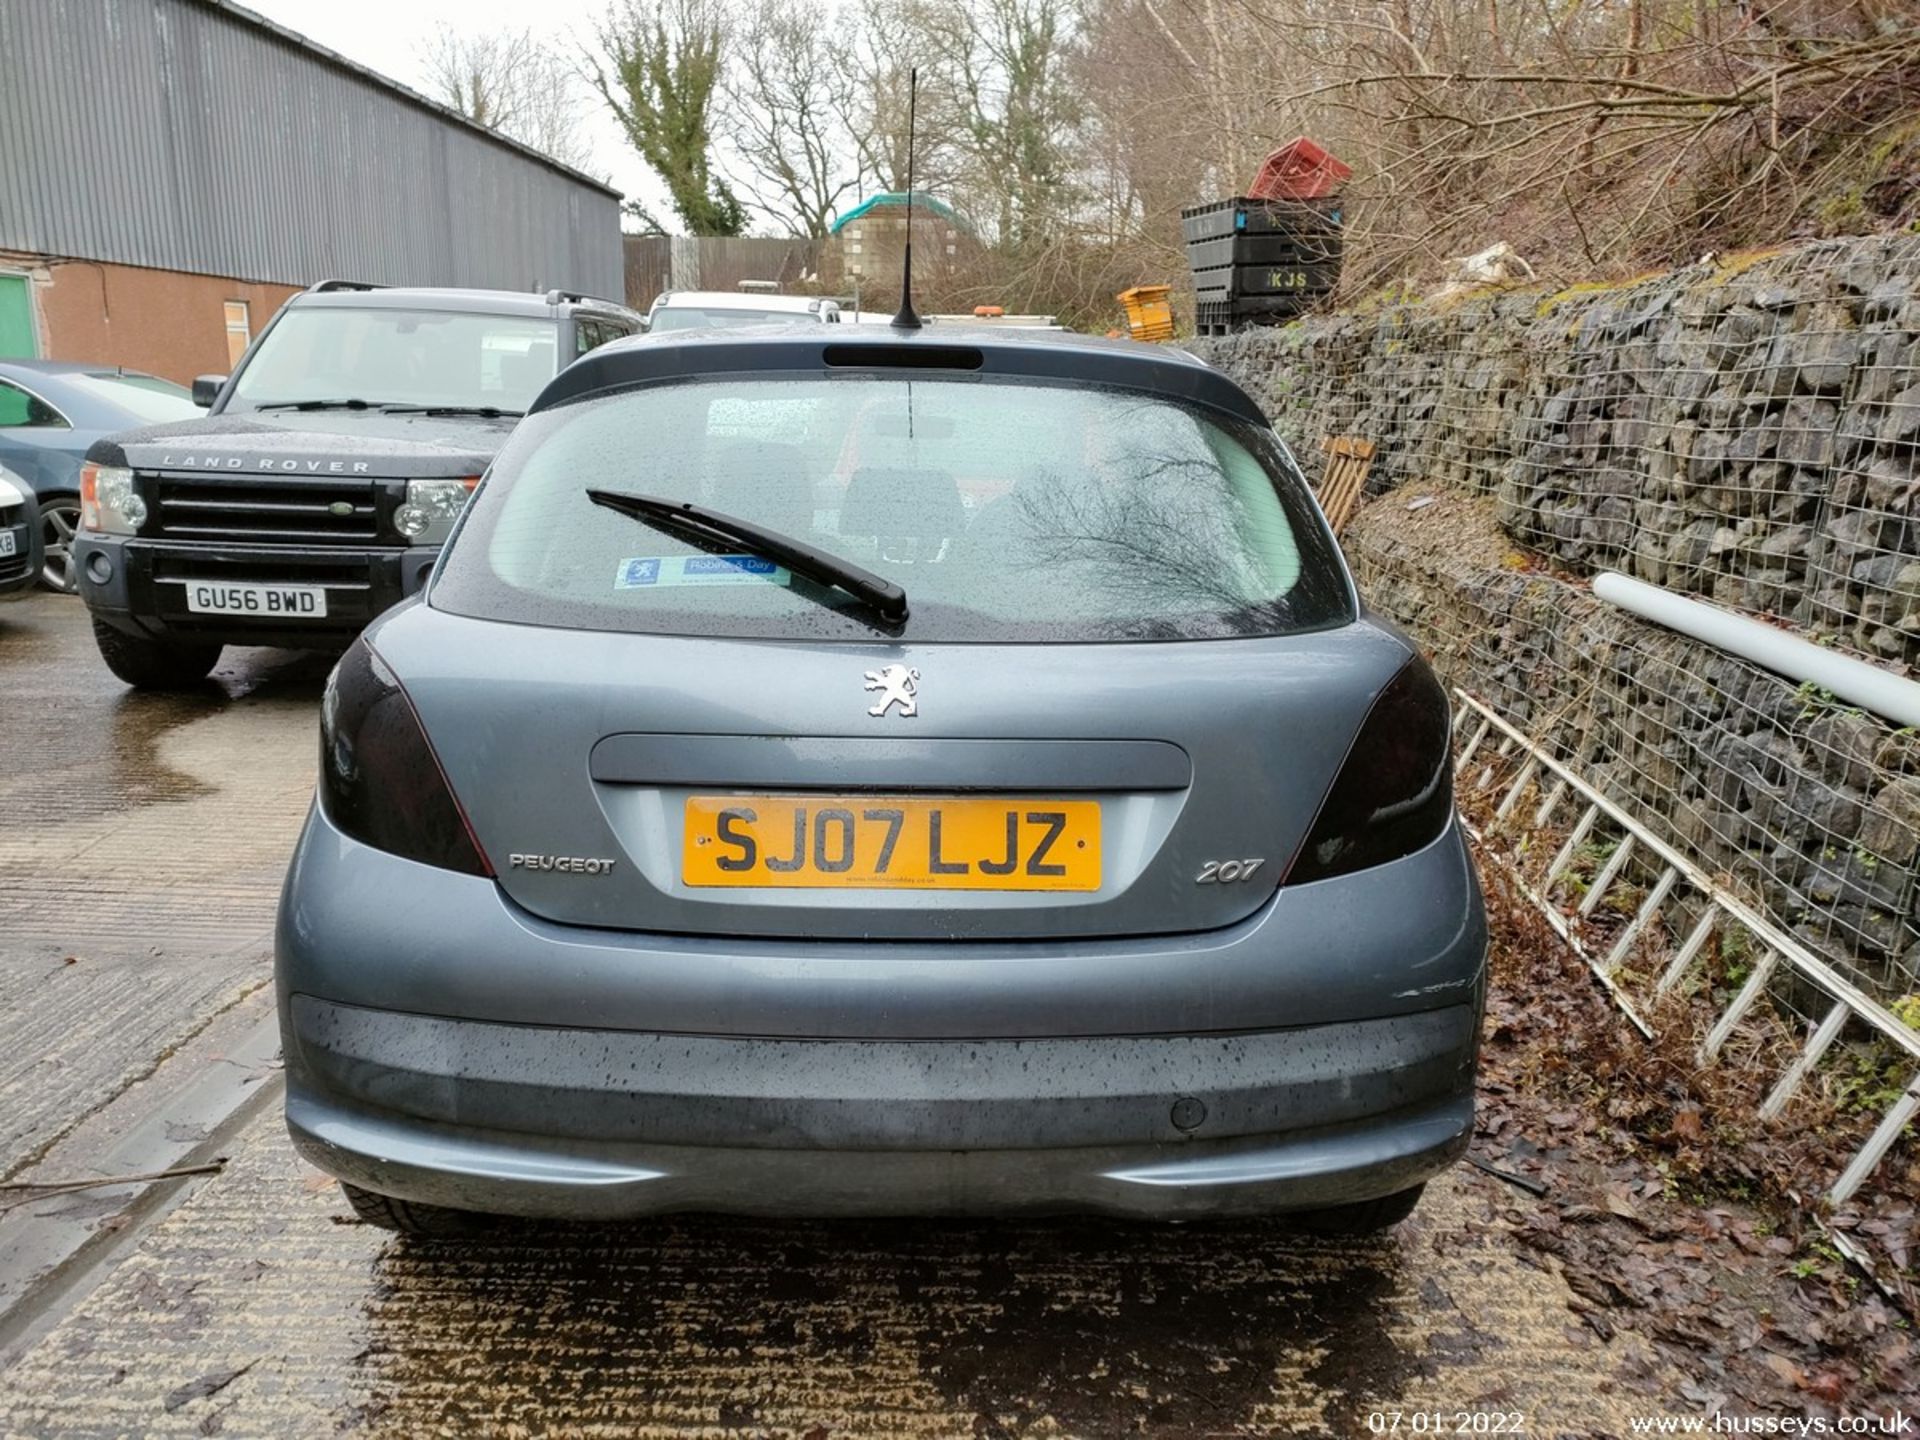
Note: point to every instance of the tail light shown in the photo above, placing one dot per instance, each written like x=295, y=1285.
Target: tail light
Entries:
x=1394, y=792
x=380, y=781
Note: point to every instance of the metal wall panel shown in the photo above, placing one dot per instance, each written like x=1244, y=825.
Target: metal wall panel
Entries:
x=193, y=135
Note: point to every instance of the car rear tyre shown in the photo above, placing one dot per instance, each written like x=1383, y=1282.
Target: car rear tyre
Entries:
x=408, y=1217
x=1364, y=1217
x=153, y=664
x=59, y=519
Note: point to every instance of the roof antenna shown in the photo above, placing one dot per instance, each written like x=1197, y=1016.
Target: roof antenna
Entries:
x=906, y=319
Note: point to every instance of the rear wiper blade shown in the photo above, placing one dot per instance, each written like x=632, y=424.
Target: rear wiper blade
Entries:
x=492, y=412
x=322, y=405
x=714, y=532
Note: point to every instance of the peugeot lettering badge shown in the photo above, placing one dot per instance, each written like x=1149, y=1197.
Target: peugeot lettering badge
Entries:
x=897, y=686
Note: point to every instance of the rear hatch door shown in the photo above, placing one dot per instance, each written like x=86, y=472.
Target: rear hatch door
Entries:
x=1077, y=790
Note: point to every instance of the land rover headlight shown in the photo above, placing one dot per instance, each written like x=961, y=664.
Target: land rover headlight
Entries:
x=10, y=493
x=431, y=508
x=108, y=503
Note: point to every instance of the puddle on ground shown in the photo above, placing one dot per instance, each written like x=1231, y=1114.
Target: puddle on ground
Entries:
x=138, y=775
x=96, y=744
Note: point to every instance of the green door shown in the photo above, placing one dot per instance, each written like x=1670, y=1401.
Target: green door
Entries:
x=16, y=318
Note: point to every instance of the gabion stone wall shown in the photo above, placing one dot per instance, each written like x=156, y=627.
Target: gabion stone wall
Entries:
x=1809, y=808
x=1746, y=431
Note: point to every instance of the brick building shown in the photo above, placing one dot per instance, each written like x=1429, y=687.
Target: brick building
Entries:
x=171, y=170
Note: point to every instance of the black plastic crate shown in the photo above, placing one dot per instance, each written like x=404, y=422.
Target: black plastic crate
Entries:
x=1245, y=216
x=1233, y=282
x=1224, y=317
x=1264, y=249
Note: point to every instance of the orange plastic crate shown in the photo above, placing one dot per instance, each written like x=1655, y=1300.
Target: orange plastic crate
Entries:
x=1149, y=311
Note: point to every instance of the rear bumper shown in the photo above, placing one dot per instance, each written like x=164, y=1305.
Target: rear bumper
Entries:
x=444, y=1046
x=140, y=589
x=594, y=1124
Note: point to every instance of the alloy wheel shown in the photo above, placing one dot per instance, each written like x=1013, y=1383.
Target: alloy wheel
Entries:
x=59, y=519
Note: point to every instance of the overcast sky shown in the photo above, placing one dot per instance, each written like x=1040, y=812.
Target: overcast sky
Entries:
x=387, y=36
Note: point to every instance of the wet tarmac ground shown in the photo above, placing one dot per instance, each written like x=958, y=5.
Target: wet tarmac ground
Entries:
x=141, y=847
x=142, y=842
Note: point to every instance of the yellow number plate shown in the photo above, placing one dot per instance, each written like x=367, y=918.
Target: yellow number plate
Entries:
x=886, y=843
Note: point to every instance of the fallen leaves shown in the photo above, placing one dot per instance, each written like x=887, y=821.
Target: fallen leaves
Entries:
x=1668, y=1211
x=1620, y=1204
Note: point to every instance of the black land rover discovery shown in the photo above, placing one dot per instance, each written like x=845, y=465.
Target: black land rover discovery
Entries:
x=318, y=488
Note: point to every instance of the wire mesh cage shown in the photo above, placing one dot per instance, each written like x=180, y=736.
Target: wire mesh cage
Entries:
x=1745, y=432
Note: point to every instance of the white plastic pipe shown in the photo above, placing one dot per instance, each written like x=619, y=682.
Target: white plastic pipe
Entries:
x=1857, y=681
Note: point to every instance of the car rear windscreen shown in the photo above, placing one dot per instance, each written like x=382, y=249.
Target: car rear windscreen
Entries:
x=1008, y=510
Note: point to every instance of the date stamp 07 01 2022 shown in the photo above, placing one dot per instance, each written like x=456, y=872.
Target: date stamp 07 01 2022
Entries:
x=1446, y=1422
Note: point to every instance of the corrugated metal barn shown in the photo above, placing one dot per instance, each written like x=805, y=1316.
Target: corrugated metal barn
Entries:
x=195, y=137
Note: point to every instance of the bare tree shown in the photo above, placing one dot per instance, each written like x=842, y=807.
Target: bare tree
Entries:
x=510, y=82
x=659, y=69
x=788, y=102
x=1011, y=63
x=1595, y=136
x=887, y=43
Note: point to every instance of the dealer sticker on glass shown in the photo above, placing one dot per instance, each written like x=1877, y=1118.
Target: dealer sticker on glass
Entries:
x=644, y=572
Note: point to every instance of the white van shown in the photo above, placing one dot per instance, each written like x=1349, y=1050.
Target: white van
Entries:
x=711, y=309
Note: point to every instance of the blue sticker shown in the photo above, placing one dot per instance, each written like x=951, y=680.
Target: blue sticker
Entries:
x=646, y=571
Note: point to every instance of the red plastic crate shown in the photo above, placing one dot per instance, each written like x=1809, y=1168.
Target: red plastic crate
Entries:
x=1299, y=170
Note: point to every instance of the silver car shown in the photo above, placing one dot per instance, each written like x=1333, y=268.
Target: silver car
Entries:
x=715, y=309
x=20, y=559
x=878, y=776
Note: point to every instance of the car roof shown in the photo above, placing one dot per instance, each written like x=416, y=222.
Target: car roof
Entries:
x=952, y=349
x=76, y=367
x=741, y=300
x=535, y=305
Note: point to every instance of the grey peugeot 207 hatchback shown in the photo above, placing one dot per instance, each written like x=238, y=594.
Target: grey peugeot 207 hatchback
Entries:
x=917, y=774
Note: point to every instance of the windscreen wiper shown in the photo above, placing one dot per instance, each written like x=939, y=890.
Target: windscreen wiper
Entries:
x=322, y=405
x=492, y=412
x=716, y=533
